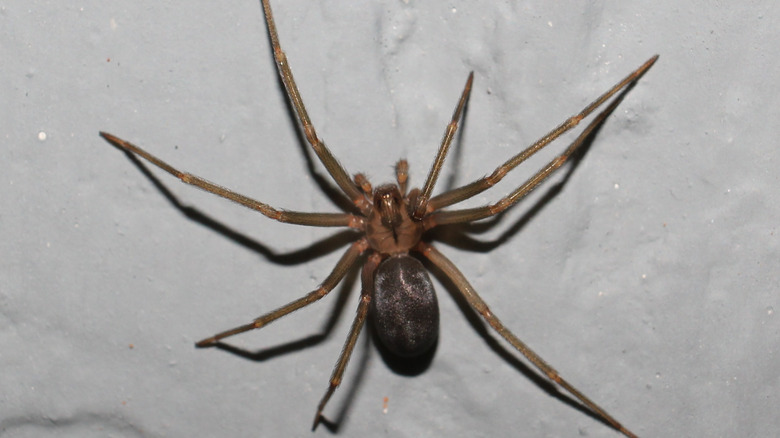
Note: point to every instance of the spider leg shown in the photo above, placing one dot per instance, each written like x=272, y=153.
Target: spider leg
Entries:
x=472, y=214
x=341, y=268
x=462, y=193
x=421, y=202
x=476, y=303
x=332, y=165
x=291, y=217
x=367, y=280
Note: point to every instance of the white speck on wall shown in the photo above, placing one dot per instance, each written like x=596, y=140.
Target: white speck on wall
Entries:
x=42, y=136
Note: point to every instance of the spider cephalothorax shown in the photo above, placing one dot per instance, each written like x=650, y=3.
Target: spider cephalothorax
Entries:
x=396, y=289
x=390, y=228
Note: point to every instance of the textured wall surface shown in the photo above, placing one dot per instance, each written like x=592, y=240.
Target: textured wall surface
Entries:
x=648, y=279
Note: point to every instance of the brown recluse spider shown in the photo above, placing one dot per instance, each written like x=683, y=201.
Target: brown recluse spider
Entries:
x=396, y=288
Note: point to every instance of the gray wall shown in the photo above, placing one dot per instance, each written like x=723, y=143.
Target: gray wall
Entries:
x=649, y=280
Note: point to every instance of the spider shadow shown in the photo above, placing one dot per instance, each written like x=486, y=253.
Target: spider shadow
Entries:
x=311, y=252
x=261, y=355
x=351, y=389
x=458, y=236
x=324, y=183
x=509, y=356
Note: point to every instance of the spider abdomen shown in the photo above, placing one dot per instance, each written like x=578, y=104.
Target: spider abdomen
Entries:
x=404, y=306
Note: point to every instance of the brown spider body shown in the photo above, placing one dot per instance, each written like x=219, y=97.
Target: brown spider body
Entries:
x=396, y=289
x=389, y=227
x=403, y=306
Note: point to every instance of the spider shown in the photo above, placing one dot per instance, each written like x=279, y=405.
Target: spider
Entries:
x=391, y=221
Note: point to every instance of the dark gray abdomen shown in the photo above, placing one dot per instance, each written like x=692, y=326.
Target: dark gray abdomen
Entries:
x=404, y=306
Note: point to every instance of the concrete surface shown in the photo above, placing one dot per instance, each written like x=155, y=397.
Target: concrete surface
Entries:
x=649, y=279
